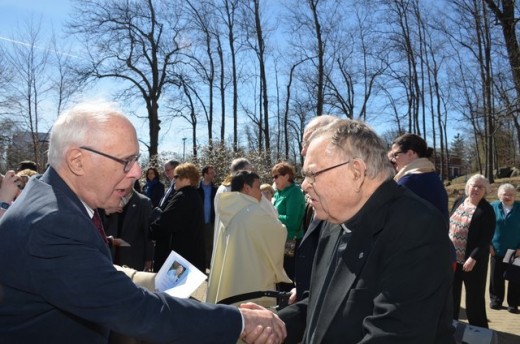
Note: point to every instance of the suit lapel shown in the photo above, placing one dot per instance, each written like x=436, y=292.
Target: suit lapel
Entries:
x=349, y=267
x=325, y=251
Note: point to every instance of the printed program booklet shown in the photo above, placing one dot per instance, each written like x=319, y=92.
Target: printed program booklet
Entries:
x=178, y=277
x=508, y=255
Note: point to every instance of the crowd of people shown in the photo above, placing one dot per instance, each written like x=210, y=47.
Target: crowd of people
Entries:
x=365, y=244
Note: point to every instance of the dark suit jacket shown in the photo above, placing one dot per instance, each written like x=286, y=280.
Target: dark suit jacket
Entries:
x=305, y=256
x=213, y=193
x=181, y=228
x=392, y=283
x=58, y=284
x=135, y=228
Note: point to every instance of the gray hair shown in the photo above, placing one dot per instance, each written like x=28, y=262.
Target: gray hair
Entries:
x=314, y=124
x=504, y=188
x=78, y=126
x=239, y=164
x=475, y=178
x=172, y=163
x=358, y=141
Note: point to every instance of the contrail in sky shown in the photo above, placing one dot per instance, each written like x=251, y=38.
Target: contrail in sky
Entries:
x=29, y=45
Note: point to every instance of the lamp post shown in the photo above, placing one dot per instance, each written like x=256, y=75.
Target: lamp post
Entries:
x=183, y=148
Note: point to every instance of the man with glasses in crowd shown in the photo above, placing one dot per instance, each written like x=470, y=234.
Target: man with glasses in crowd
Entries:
x=383, y=275
x=57, y=281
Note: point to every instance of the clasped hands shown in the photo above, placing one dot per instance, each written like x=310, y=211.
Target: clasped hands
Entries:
x=261, y=325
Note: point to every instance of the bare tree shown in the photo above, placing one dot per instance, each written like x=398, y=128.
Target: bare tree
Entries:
x=28, y=59
x=228, y=14
x=135, y=42
x=255, y=37
x=202, y=14
x=508, y=20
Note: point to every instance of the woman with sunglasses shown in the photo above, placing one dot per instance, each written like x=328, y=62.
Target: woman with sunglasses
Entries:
x=289, y=201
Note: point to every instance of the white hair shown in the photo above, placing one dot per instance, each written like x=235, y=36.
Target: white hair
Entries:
x=474, y=178
x=79, y=126
x=502, y=189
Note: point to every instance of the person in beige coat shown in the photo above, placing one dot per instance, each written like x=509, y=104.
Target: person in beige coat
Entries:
x=248, y=255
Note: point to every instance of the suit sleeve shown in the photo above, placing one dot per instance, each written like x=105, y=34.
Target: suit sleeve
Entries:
x=172, y=217
x=485, y=225
x=294, y=317
x=75, y=274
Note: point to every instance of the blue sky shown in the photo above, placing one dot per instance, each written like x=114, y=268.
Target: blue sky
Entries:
x=53, y=14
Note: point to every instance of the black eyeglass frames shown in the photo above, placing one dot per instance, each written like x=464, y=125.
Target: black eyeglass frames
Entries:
x=127, y=163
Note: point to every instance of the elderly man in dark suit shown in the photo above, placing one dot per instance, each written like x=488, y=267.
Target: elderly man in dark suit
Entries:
x=130, y=221
x=58, y=284
x=383, y=275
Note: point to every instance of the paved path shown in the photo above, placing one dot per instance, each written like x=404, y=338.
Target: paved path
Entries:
x=506, y=325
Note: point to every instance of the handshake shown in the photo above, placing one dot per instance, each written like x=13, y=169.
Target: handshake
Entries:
x=261, y=325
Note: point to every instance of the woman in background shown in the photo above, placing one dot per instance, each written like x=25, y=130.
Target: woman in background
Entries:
x=507, y=236
x=181, y=225
x=153, y=188
x=289, y=201
x=267, y=191
x=472, y=224
x=410, y=157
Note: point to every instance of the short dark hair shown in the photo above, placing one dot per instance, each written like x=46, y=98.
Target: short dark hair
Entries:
x=173, y=163
x=27, y=165
x=241, y=178
x=414, y=142
x=206, y=169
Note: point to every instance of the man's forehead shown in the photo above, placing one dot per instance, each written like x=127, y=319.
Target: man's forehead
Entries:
x=320, y=149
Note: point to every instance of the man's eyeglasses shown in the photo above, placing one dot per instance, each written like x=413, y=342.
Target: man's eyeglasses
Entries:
x=311, y=176
x=127, y=163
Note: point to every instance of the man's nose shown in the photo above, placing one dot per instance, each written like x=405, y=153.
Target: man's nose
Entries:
x=135, y=171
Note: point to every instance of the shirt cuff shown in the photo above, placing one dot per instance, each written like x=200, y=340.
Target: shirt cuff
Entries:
x=242, y=333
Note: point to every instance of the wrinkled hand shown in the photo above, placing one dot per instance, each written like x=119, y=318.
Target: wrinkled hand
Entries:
x=261, y=325
x=9, y=189
x=469, y=264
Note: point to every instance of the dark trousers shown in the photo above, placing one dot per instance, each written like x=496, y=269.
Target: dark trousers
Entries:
x=497, y=284
x=288, y=265
x=475, y=284
x=209, y=229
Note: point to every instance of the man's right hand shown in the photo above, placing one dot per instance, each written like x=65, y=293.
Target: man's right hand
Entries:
x=261, y=325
